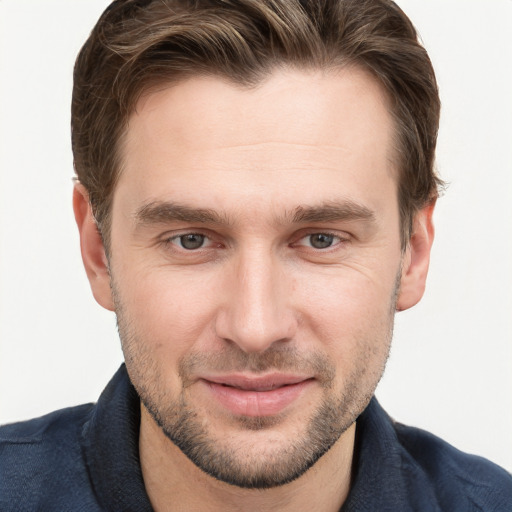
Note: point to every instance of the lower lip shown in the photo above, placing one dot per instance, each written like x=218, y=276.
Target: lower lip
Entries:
x=257, y=403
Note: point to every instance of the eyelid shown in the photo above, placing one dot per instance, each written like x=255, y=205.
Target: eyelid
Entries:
x=178, y=239
x=340, y=238
x=169, y=238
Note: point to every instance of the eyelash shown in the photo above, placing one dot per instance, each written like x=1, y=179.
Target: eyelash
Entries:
x=174, y=238
x=338, y=240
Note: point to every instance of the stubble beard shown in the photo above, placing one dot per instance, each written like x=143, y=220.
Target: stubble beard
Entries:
x=242, y=466
x=238, y=466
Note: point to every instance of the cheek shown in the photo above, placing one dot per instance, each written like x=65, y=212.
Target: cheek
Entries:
x=170, y=309
x=348, y=292
x=350, y=311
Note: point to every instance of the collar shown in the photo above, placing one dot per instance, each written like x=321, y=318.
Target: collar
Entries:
x=110, y=441
x=385, y=476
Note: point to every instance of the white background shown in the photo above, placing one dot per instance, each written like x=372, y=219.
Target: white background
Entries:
x=451, y=366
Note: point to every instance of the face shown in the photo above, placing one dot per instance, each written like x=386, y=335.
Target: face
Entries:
x=255, y=263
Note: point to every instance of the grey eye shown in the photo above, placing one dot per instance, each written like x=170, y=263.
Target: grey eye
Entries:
x=191, y=241
x=321, y=240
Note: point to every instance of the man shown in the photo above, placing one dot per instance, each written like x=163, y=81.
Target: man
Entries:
x=254, y=199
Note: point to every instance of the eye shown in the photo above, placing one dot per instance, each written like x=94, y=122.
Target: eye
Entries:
x=190, y=241
x=320, y=240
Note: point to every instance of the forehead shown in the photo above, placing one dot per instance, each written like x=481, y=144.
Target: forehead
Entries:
x=290, y=103
x=303, y=131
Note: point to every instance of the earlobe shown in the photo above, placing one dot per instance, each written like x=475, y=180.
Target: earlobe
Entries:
x=92, y=248
x=416, y=259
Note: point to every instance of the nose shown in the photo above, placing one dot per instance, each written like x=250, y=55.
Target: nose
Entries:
x=256, y=310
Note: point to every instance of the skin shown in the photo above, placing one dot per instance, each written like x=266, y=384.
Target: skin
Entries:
x=304, y=153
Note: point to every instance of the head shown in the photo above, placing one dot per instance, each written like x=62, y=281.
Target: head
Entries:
x=261, y=175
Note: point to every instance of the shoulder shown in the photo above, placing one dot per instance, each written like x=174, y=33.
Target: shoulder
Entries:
x=38, y=430
x=41, y=457
x=460, y=481
x=401, y=468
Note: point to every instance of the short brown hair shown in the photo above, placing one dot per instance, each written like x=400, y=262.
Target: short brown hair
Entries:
x=137, y=44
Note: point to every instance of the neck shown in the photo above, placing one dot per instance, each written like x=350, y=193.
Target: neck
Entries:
x=174, y=483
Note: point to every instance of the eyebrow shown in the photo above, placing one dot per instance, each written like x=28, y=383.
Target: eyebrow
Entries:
x=333, y=211
x=161, y=212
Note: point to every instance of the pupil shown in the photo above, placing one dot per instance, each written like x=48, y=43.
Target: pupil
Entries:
x=321, y=240
x=192, y=241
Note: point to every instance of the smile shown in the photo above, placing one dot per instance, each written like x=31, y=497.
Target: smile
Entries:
x=258, y=396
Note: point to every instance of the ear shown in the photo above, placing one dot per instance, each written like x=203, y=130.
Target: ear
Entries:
x=91, y=246
x=416, y=259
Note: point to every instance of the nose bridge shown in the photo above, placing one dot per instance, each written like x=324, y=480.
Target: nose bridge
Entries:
x=257, y=312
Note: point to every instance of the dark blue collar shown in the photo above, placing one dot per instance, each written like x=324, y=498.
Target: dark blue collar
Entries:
x=111, y=448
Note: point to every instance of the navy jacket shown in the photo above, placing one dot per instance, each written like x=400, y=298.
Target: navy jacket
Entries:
x=86, y=459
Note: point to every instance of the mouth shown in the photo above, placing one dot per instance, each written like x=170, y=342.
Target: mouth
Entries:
x=253, y=396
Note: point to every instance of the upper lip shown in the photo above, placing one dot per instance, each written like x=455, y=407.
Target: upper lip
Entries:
x=256, y=382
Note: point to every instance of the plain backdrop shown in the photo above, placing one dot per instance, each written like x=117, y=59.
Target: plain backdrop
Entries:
x=450, y=370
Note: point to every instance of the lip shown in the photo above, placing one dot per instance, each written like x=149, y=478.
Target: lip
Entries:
x=254, y=396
